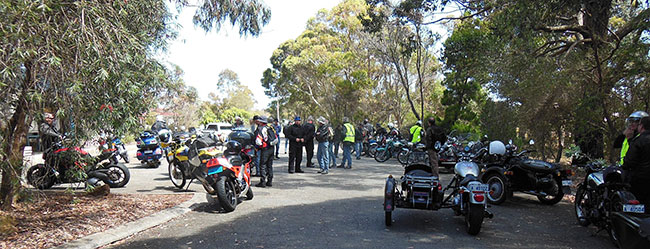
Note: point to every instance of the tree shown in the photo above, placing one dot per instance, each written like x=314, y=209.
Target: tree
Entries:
x=90, y=62
x=231, y=93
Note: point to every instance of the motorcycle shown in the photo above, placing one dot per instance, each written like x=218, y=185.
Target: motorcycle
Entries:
x=113, y=145
x=602, y=193
x=149, y=150
x=390, y=149
x=61, y=163
x=516, y=172
x=418, y=188
x=409, y=153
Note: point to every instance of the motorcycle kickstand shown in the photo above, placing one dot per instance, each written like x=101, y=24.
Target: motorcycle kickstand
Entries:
x=188, y=184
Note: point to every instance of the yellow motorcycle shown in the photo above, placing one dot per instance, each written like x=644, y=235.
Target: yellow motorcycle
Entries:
x=180, y=169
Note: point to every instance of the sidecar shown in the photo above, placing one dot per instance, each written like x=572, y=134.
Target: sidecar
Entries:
x=418, y=189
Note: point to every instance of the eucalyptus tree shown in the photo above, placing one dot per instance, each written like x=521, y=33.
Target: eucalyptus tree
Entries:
x=91, y=63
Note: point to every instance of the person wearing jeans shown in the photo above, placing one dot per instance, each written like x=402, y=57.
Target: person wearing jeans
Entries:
x=348, y=142
x=322, y=136
x=358, y=140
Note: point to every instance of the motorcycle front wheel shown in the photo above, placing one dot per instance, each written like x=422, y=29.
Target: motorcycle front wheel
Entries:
x=226, y=194
x=118, y=176
x=249, y=194
x=553, y=198
x=581, y=201
x=402, y=157
x=38, y=177
x=382, y=156
x=176, y=175
x=474, y=218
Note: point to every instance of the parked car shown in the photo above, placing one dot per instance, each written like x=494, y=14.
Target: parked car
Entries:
x=218, y=131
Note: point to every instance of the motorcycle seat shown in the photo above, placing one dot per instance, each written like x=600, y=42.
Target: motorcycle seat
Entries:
x=468, y=179
x=537, y=166
x=235, y=160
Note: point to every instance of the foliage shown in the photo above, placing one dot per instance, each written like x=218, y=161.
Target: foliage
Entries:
x=229, y=115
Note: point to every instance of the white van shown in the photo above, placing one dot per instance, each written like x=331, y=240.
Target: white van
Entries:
x=221, y=130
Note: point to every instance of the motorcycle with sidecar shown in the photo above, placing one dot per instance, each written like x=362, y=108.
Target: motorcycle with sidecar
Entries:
x=418, y=188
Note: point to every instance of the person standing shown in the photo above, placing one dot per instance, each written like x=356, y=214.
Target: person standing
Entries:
x=434, y=133
x=278, y=129
x=348, y=142
x=286, y=138
x=48, y=132
x=630, y=132
x=296, y=134
x=310, y=131
x=332, y=139
x=416, y=131
x=338, y=138
x=322, y=136
x=264, y=138
x=637, y=162
x=358, y=140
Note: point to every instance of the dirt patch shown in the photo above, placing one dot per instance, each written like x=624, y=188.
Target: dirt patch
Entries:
x=53, y=218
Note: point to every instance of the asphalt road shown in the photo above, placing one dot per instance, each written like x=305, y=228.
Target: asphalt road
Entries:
x=344, y=210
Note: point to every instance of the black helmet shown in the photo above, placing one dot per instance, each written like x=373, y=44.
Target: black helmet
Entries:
x=233, y=148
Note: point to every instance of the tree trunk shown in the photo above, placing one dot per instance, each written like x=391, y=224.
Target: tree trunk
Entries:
x=560, y=145
x=12, y=168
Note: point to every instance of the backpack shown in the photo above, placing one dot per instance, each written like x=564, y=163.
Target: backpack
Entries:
x=273, y=136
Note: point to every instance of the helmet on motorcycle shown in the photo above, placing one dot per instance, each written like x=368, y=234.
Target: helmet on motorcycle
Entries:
x=391, y=125
x=636, y=116
x=233, y=148
x=159, y=118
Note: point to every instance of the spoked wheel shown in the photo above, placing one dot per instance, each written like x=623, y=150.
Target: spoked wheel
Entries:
x=382, y=156
x=176, y=175
x=616, y=206
x=581, y=202
x=226, y=194
x=497, y=188
x=38, y=177
x=554, y=194
x=402, y=157
x=118, y=176
x=474, y=218
x=372, y=150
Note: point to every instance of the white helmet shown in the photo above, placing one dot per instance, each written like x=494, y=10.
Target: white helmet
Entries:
x=391, y=125
x=159, y=118
x=637, y=116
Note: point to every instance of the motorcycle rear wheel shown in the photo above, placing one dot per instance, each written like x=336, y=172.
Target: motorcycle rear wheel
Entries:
x=37, y=176
x=616, y=206
x=372, y=151
x=176, y=175
x=474, y=218
x=125, y=155
x=226, y=194
x=382, y=156
x=580, y=206
x=118, y=175
x=389, y=218
x=553, y=198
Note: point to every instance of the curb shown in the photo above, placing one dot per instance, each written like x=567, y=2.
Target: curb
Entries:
x=123, y=231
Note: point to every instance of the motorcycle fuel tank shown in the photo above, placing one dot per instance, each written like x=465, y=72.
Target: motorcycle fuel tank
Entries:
x=466, y=168
x=595, y=179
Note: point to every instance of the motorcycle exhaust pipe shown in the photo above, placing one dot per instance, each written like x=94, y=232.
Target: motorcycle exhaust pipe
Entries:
x=206, y=185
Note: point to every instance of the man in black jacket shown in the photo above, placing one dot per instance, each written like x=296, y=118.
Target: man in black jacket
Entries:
x=637, y=162
x=310, y=131
x=48, y=132
x=296, y=136
x=433, y=134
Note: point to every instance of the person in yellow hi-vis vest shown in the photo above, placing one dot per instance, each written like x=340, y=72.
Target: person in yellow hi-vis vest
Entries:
x=416, y=131
x=623, y=141
x=348, y=142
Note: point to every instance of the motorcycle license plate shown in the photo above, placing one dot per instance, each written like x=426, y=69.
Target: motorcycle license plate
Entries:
x=629, y=208
x=478, y=187
x=148, y=151
x=567, y=182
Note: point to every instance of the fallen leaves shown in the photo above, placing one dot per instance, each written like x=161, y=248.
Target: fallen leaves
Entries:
x=55, y=218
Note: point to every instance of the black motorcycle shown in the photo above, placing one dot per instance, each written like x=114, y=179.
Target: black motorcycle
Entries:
x=516, y=172
x=602, y=194
x=71, y=165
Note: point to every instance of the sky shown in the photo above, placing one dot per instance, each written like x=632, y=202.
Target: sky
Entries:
x=202, y=56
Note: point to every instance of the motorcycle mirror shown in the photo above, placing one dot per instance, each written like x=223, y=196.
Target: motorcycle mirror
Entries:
x=510, y=141
x=532, y=142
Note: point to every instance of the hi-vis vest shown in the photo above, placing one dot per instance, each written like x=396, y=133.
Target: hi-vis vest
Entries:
x=349, y=133
x=415, y=133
